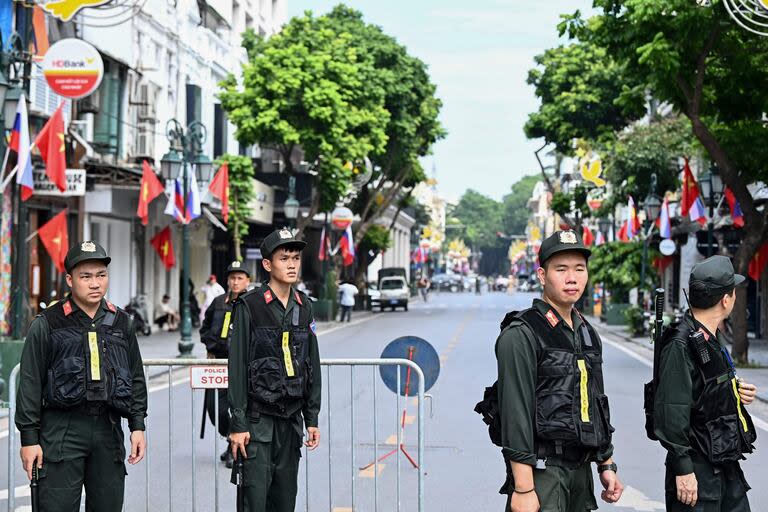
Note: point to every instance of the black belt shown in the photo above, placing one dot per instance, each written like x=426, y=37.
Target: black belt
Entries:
x=92, y=408
x=570, y=454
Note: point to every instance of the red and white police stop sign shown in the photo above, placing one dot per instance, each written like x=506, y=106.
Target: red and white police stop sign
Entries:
x=208, y=377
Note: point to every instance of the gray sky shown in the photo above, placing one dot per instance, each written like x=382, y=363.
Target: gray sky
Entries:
x=478, y=54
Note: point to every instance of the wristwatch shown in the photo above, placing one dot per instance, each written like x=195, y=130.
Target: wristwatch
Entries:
x=607, y=467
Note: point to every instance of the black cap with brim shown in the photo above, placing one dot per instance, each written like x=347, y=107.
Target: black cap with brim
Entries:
x=87, y=250
x=237, y=266
x=562, y=241
x=715, y=276
x=280, y=238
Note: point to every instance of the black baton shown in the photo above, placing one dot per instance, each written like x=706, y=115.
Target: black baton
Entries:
x=34, y=488
x=239, y=481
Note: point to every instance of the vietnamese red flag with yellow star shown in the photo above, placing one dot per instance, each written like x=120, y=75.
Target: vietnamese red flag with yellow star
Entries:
x=164, y=247
x=219, y=187
x=53, y=235
x=50, y=142
x=149, y=190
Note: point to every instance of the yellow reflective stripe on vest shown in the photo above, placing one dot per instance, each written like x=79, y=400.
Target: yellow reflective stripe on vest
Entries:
x=287, y=354
x=738, y=405
x=93, y=346
x=225, y=325
x=584, y=391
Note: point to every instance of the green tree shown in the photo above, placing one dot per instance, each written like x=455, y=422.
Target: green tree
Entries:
x=617, y=265
x=584, y=95
x=713, y=72
x=309, y=87
x=409, y=98
x=241, y=193
x=481, y=217
x=516, y=212
x=638, y=153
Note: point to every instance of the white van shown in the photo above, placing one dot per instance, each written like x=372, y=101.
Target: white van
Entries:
x=394, y=293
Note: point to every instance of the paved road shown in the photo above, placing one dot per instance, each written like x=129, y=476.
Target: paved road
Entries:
x=463, y=470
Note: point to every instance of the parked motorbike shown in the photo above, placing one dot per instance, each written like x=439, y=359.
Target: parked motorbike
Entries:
x=137, y=307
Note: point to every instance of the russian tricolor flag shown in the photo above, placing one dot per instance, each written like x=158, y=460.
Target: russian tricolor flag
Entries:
x=347, y=245
x=20, y=144
x=175, y=206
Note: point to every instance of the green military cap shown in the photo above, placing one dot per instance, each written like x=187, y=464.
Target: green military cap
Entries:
x=561, y=241
x=280, y=238
x=237, y=266
x=715, y=276
x=87, y=250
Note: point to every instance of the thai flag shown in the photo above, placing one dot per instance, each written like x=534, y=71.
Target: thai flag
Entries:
x=20, y=144
x=736, y=214
x=175, y=206
x=599, y=239
x=665, y=225
x=697, y=212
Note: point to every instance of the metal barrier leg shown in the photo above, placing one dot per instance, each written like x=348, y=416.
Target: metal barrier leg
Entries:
x=170, y=438
x=146, y=455
x=216, y=451
x=375, y=445
x=194, y=458
x=399, y=436
x=352, y=428
x=12, y=388
x=330, y=452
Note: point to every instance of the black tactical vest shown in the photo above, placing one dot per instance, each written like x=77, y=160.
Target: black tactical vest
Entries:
x=220, y=326
x=721, y=427
x=279, y=369
x=88, y=365
x=572, y=414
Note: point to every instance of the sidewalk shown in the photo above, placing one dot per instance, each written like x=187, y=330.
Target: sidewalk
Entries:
x=758, y=354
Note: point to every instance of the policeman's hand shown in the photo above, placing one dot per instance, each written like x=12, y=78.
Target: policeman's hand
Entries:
x=747, y=392
x=612, y=485
x=313, y=438
x=528, y=502
x=238, y=441
x=138, y=447
x=28, y=456
x=687, y=489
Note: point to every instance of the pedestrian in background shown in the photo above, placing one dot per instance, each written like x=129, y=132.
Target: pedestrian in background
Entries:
x=553, y=409
x=347, y=293
x=81, y=372
x=698, y=413
x=166, y=317
x=274, y=379
x=211, y=289
x=214, y=334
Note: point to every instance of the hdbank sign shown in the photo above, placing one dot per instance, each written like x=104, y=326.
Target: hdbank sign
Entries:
x=73, y=68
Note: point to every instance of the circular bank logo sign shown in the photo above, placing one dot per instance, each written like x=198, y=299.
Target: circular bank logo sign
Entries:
x=73, y=68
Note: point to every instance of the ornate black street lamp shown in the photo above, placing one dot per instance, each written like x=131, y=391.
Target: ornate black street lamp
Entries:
x=185, y=156
x=712, y=188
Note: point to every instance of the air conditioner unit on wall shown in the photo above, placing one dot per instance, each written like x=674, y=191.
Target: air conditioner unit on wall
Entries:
x=147, y=109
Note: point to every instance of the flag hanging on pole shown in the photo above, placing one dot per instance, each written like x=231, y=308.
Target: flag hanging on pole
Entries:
x=323, y=243
x=690, y=202
x=219, y=187
x=599, y=239
x=50, y=142
x=53, y=235
x=665, y=224
x=757, y=265
x=347, y=245
x=164, y=247
x=150, y=188
x=194, y=208
x=175, y=206
x=20, y=144
x=587, y=237
x=633, y=223
x=736, y=214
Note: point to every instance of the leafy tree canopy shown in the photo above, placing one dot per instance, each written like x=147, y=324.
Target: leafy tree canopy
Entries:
x=516, y=212
x=310, y=86
x=584, y=94
x=482, y=218
x=241, y=193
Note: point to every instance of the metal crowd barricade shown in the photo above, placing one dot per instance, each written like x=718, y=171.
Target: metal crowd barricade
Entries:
x=174, y=365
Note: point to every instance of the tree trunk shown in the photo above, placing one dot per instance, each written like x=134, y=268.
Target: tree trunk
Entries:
x=238, y=242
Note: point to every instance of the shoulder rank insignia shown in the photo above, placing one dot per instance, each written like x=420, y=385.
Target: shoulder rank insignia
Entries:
x=111, y=306
x=67, y=308
x=298, y=298
x=268, y=296
x=552, y=318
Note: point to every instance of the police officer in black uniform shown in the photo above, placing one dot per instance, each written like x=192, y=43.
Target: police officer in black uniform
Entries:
x=699, y=414
x=81, y=372
x=274, y=379
x=554, y=413
x=214, y=334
